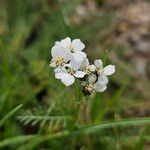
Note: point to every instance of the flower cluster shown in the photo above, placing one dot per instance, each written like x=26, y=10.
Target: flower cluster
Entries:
x=70, y=62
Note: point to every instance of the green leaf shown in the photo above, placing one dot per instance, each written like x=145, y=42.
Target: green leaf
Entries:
x=8, y=115
x=34, y=119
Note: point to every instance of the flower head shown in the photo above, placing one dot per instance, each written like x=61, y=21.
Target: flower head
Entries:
x=66, y=50
x=96, y=83
x=86, y=67
x=59, y=56
x=108, y=70
x=74, y=48
x=70, y=63
x=68, y=73
x=97, y=80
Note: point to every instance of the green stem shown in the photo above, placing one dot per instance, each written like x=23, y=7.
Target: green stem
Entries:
x=84, y=114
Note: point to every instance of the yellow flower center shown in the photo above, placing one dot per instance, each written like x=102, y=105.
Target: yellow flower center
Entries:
x=99, y=70
x=90, y=88
x=70, y=71
x=86, y=70
x=59, y=61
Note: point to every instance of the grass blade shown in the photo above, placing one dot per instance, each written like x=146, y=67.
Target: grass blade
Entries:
x=86, y=130
x=8, y=115
x=44, y=138
x=111, y=124
x=16, y=140
x=105, y=57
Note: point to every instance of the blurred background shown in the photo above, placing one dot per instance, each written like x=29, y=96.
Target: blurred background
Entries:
x=28, y=30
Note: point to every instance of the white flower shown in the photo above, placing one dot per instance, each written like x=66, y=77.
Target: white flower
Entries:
x=98, y=84
x=68, y=73
x=59, y=56
x=106, y=71
x=101, y=84
x=86, y=67
x=92, y=78
x=74, y=48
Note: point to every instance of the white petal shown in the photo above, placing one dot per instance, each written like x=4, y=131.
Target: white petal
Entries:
x=75, y=65
x=103, y=79
x=98, y=63
x=60, y=69
x=100, y=87
x=92, y=68
x=66, y=42
x=79, y=56
x=82, y=54
x=108, y=70
x=57, y=51
x=68, y=56
x=58, y=43
x=53, y=64
x=59, y=75
x=67, y=79
x=57, y=70
x=79, y=74
x=92, y=78
x=85, y=62
x=78, y=45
